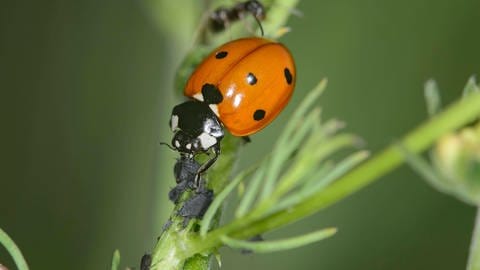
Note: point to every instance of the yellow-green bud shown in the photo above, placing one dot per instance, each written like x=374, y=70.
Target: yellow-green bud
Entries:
x=457, y=158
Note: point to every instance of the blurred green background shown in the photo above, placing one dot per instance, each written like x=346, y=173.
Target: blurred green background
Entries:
x=86, y=95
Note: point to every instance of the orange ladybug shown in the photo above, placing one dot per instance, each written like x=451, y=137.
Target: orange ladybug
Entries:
x=255, y=77
x=242, y=85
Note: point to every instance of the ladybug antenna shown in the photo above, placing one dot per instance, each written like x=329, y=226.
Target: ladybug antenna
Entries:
x=168, y=145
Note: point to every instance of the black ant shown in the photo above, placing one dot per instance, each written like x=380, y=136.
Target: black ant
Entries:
x=222, y=16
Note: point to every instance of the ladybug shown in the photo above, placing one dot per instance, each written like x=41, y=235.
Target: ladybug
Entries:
x=242, y=86
x=222, y=16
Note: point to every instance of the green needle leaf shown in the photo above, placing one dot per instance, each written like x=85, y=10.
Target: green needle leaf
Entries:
x=341, y=168
x=306, y=125
x=322, y=181
x=14, y=251
x=250, y=194
x=310, y=159
x=277, y=161
x=299, y=113
x=116, y=260
x=217, y=202
x=474, y=256
x=470, y=87
x=432, y=97
x=423, y=168
x=319, y=173
x=284, y=141
x=279, y=245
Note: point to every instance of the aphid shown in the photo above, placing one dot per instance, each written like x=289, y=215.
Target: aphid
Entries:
x=196, y=206
x=145, y=262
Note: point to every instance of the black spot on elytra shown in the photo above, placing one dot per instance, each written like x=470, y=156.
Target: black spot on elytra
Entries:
x=258, y=115
x=220, y=55
x=251, y=79
x=211, y=94
x=288, y=75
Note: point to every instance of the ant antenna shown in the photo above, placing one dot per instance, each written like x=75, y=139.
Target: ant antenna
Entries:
x=257, y=10
x=259, y=25
x=168, y=145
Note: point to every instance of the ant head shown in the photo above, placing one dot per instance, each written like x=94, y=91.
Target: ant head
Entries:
x=222, y=17
x=256, y=9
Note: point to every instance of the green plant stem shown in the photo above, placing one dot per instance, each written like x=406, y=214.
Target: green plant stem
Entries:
x=172, y=249
x=474, y=257
x=387, y=160
x=14, y=251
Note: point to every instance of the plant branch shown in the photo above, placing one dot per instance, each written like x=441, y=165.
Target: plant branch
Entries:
x=173, y=246
x=386, y=161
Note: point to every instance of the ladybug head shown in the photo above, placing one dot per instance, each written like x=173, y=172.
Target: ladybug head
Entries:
x=184, y=143
x=196, y=128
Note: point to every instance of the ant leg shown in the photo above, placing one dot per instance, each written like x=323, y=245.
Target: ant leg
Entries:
x=205, y=166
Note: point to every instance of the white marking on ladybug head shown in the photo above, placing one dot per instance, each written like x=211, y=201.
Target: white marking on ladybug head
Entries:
x=188, y=146
x=198, y=96
x=174, y=122
x=206, y=140
x=214, y=109
x=212, y=128
x=177, y=143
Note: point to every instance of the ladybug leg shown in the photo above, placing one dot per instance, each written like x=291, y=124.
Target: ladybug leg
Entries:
x=255, y=238
x=246, y=139
x=205, y=166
